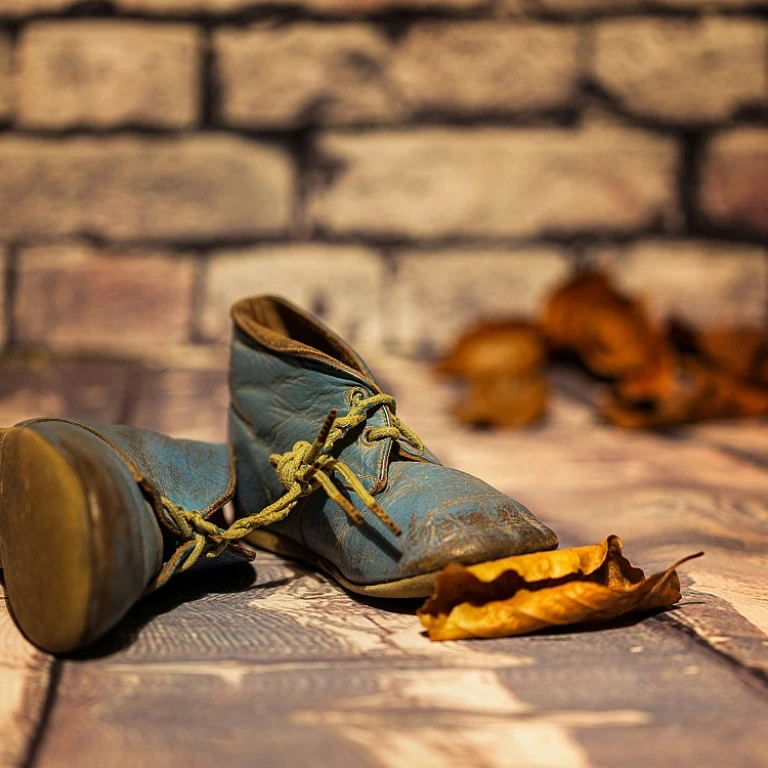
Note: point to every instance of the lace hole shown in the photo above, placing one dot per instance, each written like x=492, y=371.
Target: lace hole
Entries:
x=355, y=394
x=365, y=438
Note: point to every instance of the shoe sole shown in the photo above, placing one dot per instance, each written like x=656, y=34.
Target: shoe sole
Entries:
x=410, y=587
x=54, y=508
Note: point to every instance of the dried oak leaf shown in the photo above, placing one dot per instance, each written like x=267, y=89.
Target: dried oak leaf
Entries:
x=521, y=594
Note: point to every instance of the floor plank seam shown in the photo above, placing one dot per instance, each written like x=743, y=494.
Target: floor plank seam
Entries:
x=756, y=678
x=739, y=454
x=36, y=740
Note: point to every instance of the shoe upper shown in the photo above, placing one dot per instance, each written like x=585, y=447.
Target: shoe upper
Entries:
x=194, y=475
x=287, y=372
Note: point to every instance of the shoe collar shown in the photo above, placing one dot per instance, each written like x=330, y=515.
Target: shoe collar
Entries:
x=282, y=327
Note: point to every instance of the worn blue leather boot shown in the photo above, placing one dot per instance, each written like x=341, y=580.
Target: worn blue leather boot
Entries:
x=94, y=516
x=341, y=481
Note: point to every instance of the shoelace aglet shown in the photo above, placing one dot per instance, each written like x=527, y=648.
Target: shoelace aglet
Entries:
x=322, y=436
x=371, y=503
x=352, y=512
x=336, y=496
x=377, y=510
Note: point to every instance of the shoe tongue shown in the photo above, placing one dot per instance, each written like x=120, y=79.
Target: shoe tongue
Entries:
x=402, y=451
x=369, y=460
x=310, y=361
x=195, y=475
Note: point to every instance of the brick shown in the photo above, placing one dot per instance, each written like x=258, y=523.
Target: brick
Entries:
x=205, y=187
x=734, y=180
x=6, y=78
x=343, y=284
x=342, y=75
x=75, y=297
x=15, y=8
x=487, y=66
x=305, y=72
x=571, y=7
x=106, y=73
x=331, y=7
x=188, y=404
x=439, y=182
x=3, y=267
x=440, y=294
x=682, y=71
x=702, y=283
x=95, y=391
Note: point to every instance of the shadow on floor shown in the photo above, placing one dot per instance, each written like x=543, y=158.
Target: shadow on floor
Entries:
x=183, y=588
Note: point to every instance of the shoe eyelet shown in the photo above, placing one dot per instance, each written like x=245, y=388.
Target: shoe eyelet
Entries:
x=365, y=439
x=355, y=394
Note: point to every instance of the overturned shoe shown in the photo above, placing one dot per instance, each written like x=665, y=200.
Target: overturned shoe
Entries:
x=366, y=501
x=93, y=516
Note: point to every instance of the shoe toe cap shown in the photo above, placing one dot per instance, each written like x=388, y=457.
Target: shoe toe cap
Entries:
x=448, y=516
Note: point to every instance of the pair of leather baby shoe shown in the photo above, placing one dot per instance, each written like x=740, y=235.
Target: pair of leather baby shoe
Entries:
x=319, y=465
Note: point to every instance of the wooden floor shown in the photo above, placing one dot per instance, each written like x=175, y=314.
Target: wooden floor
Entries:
x=276, y=666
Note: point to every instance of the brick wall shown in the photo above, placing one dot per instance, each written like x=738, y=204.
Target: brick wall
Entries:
x=400, y=166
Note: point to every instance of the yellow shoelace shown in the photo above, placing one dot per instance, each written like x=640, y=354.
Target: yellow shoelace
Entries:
x=302, y=470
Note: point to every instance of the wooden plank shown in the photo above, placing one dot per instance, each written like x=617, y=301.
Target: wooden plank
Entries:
x=747, y=440
x=279, y=666
x=294, y=671
x=25, y=676
x=95, y=391
x=666, y=495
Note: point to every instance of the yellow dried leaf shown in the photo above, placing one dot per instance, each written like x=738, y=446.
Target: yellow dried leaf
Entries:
x=521, y=594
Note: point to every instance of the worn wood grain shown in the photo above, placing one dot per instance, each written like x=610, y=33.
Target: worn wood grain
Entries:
x=293, y=671
x=25, y=676
x=666, y=495
x=275, y=665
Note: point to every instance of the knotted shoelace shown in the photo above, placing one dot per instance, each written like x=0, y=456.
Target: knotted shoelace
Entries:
x=302, y=470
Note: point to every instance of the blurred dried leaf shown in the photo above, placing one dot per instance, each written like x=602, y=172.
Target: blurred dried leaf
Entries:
x=695, y=393
x=501, y=365
x=739, y=350
x=659, y=377
x=522, y=594
x=504, y=401
x=609, y=331
x=495, y=348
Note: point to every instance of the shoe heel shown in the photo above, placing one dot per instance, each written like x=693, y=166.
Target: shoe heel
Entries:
x=67, y=504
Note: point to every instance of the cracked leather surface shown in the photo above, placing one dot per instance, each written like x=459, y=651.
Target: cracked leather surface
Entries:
x=281, y=392
x=196, y=475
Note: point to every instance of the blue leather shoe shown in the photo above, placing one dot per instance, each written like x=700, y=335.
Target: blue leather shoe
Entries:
x=343, y=483
x=93, y=516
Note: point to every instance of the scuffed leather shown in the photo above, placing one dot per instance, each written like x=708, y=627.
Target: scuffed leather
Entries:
x=193, y=474
x=196, y=475
x=130, y=541
x=281, y=393
x=289, y=397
